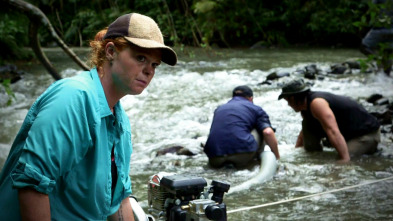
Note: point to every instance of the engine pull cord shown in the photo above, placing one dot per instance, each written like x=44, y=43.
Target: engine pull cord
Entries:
x=308, y=196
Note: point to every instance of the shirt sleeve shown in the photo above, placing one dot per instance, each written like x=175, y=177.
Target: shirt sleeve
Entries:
x=59, y=136
x=263, y=120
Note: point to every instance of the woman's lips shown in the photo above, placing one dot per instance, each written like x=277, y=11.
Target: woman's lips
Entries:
x=142, y=82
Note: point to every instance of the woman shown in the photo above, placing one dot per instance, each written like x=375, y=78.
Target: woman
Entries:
x=71, y=157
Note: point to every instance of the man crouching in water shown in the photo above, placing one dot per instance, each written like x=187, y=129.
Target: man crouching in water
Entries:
x=350, y=129
x=239, y=132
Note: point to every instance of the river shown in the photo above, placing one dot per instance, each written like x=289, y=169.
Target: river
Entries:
x=177, y=110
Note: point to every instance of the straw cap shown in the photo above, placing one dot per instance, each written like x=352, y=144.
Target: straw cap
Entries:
x=142, y=31
x=293, y=87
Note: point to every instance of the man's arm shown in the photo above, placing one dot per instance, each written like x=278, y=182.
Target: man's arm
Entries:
x=270, y=138
x=124, y=212
x=321, y=110
x=33, y=205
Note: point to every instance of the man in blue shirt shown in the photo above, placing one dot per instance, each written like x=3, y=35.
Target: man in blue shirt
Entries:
x=239, y=132
x=71, y=157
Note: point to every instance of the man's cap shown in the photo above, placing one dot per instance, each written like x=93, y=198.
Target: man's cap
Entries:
x=142, y=31
x=293, y=87
x=243, y=91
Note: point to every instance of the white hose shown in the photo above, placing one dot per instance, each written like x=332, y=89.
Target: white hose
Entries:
x=266, y=172
x=139, y=214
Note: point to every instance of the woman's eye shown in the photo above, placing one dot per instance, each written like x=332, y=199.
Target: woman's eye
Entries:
x=141, y=58
x=155, y=65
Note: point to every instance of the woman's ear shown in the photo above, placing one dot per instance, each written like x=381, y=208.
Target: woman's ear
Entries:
x=110, y=51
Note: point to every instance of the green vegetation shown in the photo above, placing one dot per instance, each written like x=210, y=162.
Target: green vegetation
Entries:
x=205, y=23
x=7, y=87
x=201, y=23
x=13, y=37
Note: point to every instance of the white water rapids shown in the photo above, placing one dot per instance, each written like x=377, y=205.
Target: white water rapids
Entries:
x=177, y=109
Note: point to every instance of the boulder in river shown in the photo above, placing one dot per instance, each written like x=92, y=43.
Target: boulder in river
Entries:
x=340, y=69
x=179, y=150
x=373, y=98
x=11, y=72
x=276, y=75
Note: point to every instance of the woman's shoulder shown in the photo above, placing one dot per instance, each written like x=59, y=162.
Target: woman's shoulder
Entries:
x=80, y=82
x=79, y=87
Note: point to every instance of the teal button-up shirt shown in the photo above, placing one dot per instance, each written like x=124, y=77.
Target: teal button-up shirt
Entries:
x=63, y=149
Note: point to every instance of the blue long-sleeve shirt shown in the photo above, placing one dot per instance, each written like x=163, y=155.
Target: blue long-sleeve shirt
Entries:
x=63, y=149
x=231, y=128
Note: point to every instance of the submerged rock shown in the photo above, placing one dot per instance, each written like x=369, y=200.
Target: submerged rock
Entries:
x=10, y=72
x=267, y=82
x=311, y=71
x=352, y=64
x=340, y=69
x=273, y=76
x=276, y=75
x=383, y=110
x=179, y=150
x=381, y=101
x=384, y=118
x=373, y=98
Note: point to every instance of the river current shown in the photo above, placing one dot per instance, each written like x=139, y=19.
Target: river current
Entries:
x=177, y=109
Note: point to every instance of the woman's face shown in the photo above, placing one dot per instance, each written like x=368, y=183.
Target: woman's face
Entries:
x=133, y=68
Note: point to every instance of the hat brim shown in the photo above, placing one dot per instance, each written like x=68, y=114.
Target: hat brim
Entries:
x=168, y=54
x=283, y=94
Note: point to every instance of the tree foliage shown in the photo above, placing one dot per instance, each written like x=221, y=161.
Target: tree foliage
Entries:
x=224, y=23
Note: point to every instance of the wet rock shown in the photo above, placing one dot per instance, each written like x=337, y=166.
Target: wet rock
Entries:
x=11, y=72
x=312, y=68
x=300, y=72
x=310, y=84
x=340, y=69
x=390, y=107
x=384, y=117
x=386, y=129
x=267, y=82
x=273, y=76
x=311, y=71
x=276, y=75
x=373, y=98
x=381, y=101
x=179, y=150
x=352, y=64
x=310, y=76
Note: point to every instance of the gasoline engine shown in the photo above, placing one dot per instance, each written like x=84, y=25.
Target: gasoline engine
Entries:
x=174, y=197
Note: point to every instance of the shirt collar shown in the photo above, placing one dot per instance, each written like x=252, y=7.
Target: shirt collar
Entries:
x=104, y=107
x=239, y=98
